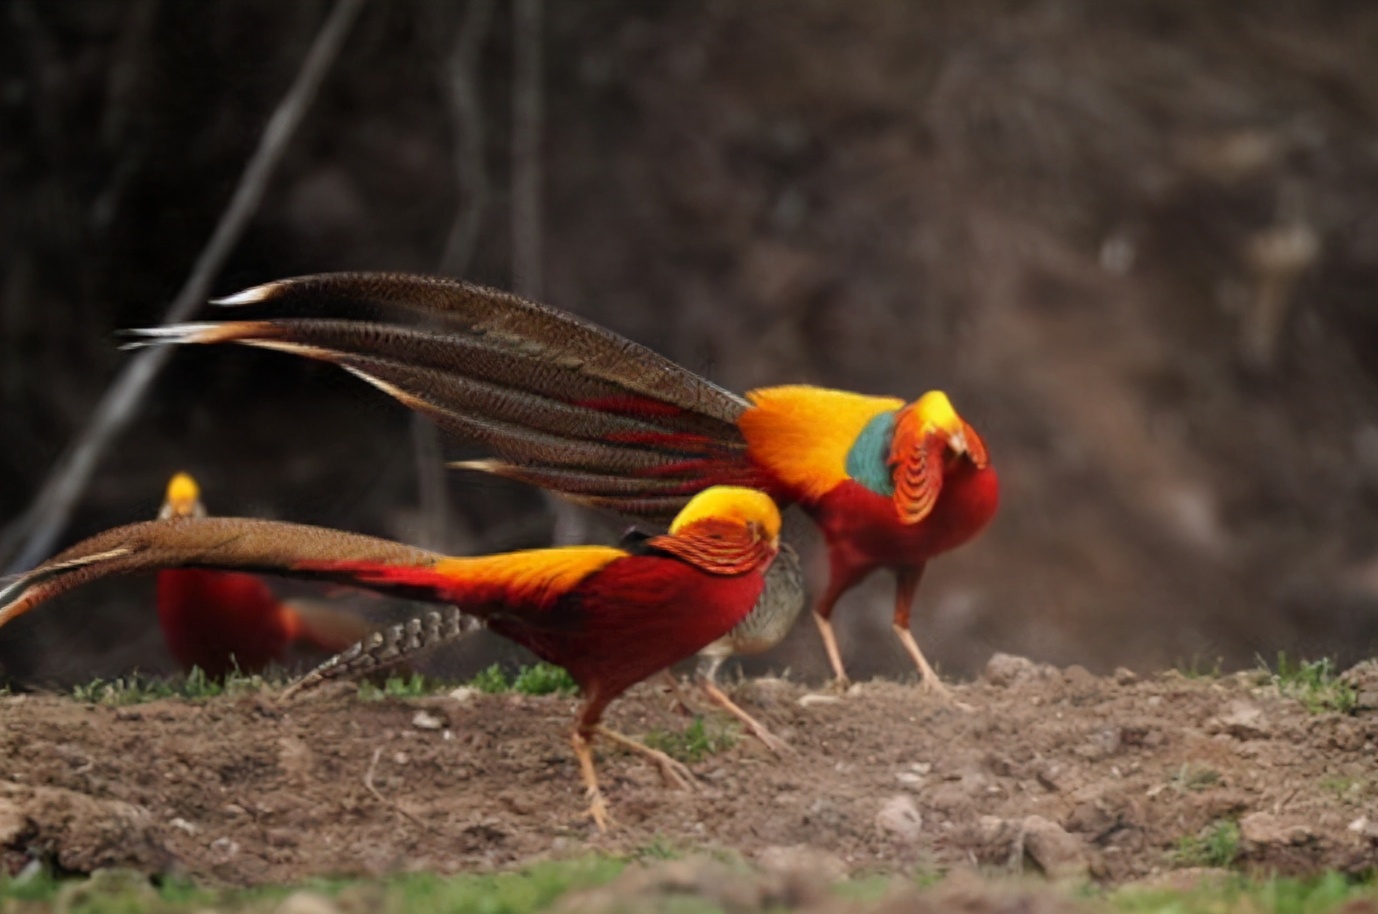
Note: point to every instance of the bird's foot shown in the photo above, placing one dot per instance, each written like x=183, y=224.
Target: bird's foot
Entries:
x=598, y=810
x=839, y=686
x=757, y=729
x=679, y=702
x=672, y=772
x=933, y=687
x=772, y=742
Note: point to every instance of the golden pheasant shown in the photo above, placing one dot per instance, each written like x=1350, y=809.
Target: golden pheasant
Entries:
x=226, y=620
x=610, y=616
x=604, y=421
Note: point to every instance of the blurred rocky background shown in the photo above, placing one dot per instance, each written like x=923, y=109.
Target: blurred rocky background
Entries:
x=1136, y=242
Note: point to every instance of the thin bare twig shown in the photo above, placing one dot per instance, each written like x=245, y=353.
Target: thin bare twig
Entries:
x=466, y=118
x=378, y=795
x=527, y=105
x=528, y=112
x=32, y=536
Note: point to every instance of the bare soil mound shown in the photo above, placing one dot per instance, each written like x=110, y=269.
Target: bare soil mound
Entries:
x=1052, y=770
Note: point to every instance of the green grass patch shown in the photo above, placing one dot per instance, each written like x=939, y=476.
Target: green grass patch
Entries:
x=1240, y=895
x=124, y=892
x=1314, y=684
x=137, y=688
x=695, y=742
x=1217, y=845
x=544, y=679
x=538, y=679
x=412, y=686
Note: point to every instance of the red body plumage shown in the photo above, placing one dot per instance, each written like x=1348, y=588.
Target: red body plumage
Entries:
x=220, y=620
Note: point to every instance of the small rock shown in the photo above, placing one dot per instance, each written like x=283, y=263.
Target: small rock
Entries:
x=817, y=698
x=1365, y=827
x=1050, y=777
x=1058, y=854
x=425, y=720
x=464, y=694
x=306, y=903
x=183, y=825
x=1125, y=676
x=1242, y=720
x=899, y=816
x=1008, y=670
x=1266, y=828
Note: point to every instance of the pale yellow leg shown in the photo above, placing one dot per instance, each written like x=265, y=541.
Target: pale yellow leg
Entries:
x=825, y=628
x=681, y=700
x=757, y=729
x=598, y=808
x=906, y=583
x=675, y=774
x=930, y=682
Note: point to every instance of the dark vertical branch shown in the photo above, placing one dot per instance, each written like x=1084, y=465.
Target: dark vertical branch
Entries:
x=527, y=106
x=460, y=85
x=32, y=536
x=528, y=103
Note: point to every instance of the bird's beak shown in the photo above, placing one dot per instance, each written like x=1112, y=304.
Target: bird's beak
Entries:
x=958, y=442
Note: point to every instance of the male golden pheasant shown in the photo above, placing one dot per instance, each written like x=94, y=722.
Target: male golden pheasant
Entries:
x=226, y=620
x=604, y=421
x=610, y=616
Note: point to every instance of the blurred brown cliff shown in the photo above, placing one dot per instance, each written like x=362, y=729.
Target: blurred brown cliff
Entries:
x=1137, y=243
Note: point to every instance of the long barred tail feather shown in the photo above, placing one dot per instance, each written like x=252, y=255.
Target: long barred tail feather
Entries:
x=222, y=543
x=566, y=404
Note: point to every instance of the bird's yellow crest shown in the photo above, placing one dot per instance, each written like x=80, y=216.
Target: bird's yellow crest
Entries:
x=732, y=503
x=935, y=410
x=183, y=498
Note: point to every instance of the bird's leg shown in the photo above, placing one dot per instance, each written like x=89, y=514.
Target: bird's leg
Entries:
x=708, y=681
x=842, y=576
x=681, y=700
x=581, y=739
x=906, y=584
x=674, y=773
x=598, y=808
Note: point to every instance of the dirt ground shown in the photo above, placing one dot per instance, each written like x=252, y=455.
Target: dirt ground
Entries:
x=1052, y=771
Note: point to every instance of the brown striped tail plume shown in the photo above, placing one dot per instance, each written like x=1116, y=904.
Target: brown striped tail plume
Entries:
x=566, y=404
x=221, y=543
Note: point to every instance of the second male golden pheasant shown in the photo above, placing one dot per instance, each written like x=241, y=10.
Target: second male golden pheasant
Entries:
x=572, y=407
x=610, y=616
x=220, y=621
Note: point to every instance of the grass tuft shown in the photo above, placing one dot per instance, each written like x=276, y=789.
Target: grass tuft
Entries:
x=538, y=679
x=1314, y=684
x=695, y=742
x=544, y=679
x=413, y=686
x=1319, y=895
x=1217, y=846
x=138, y=688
